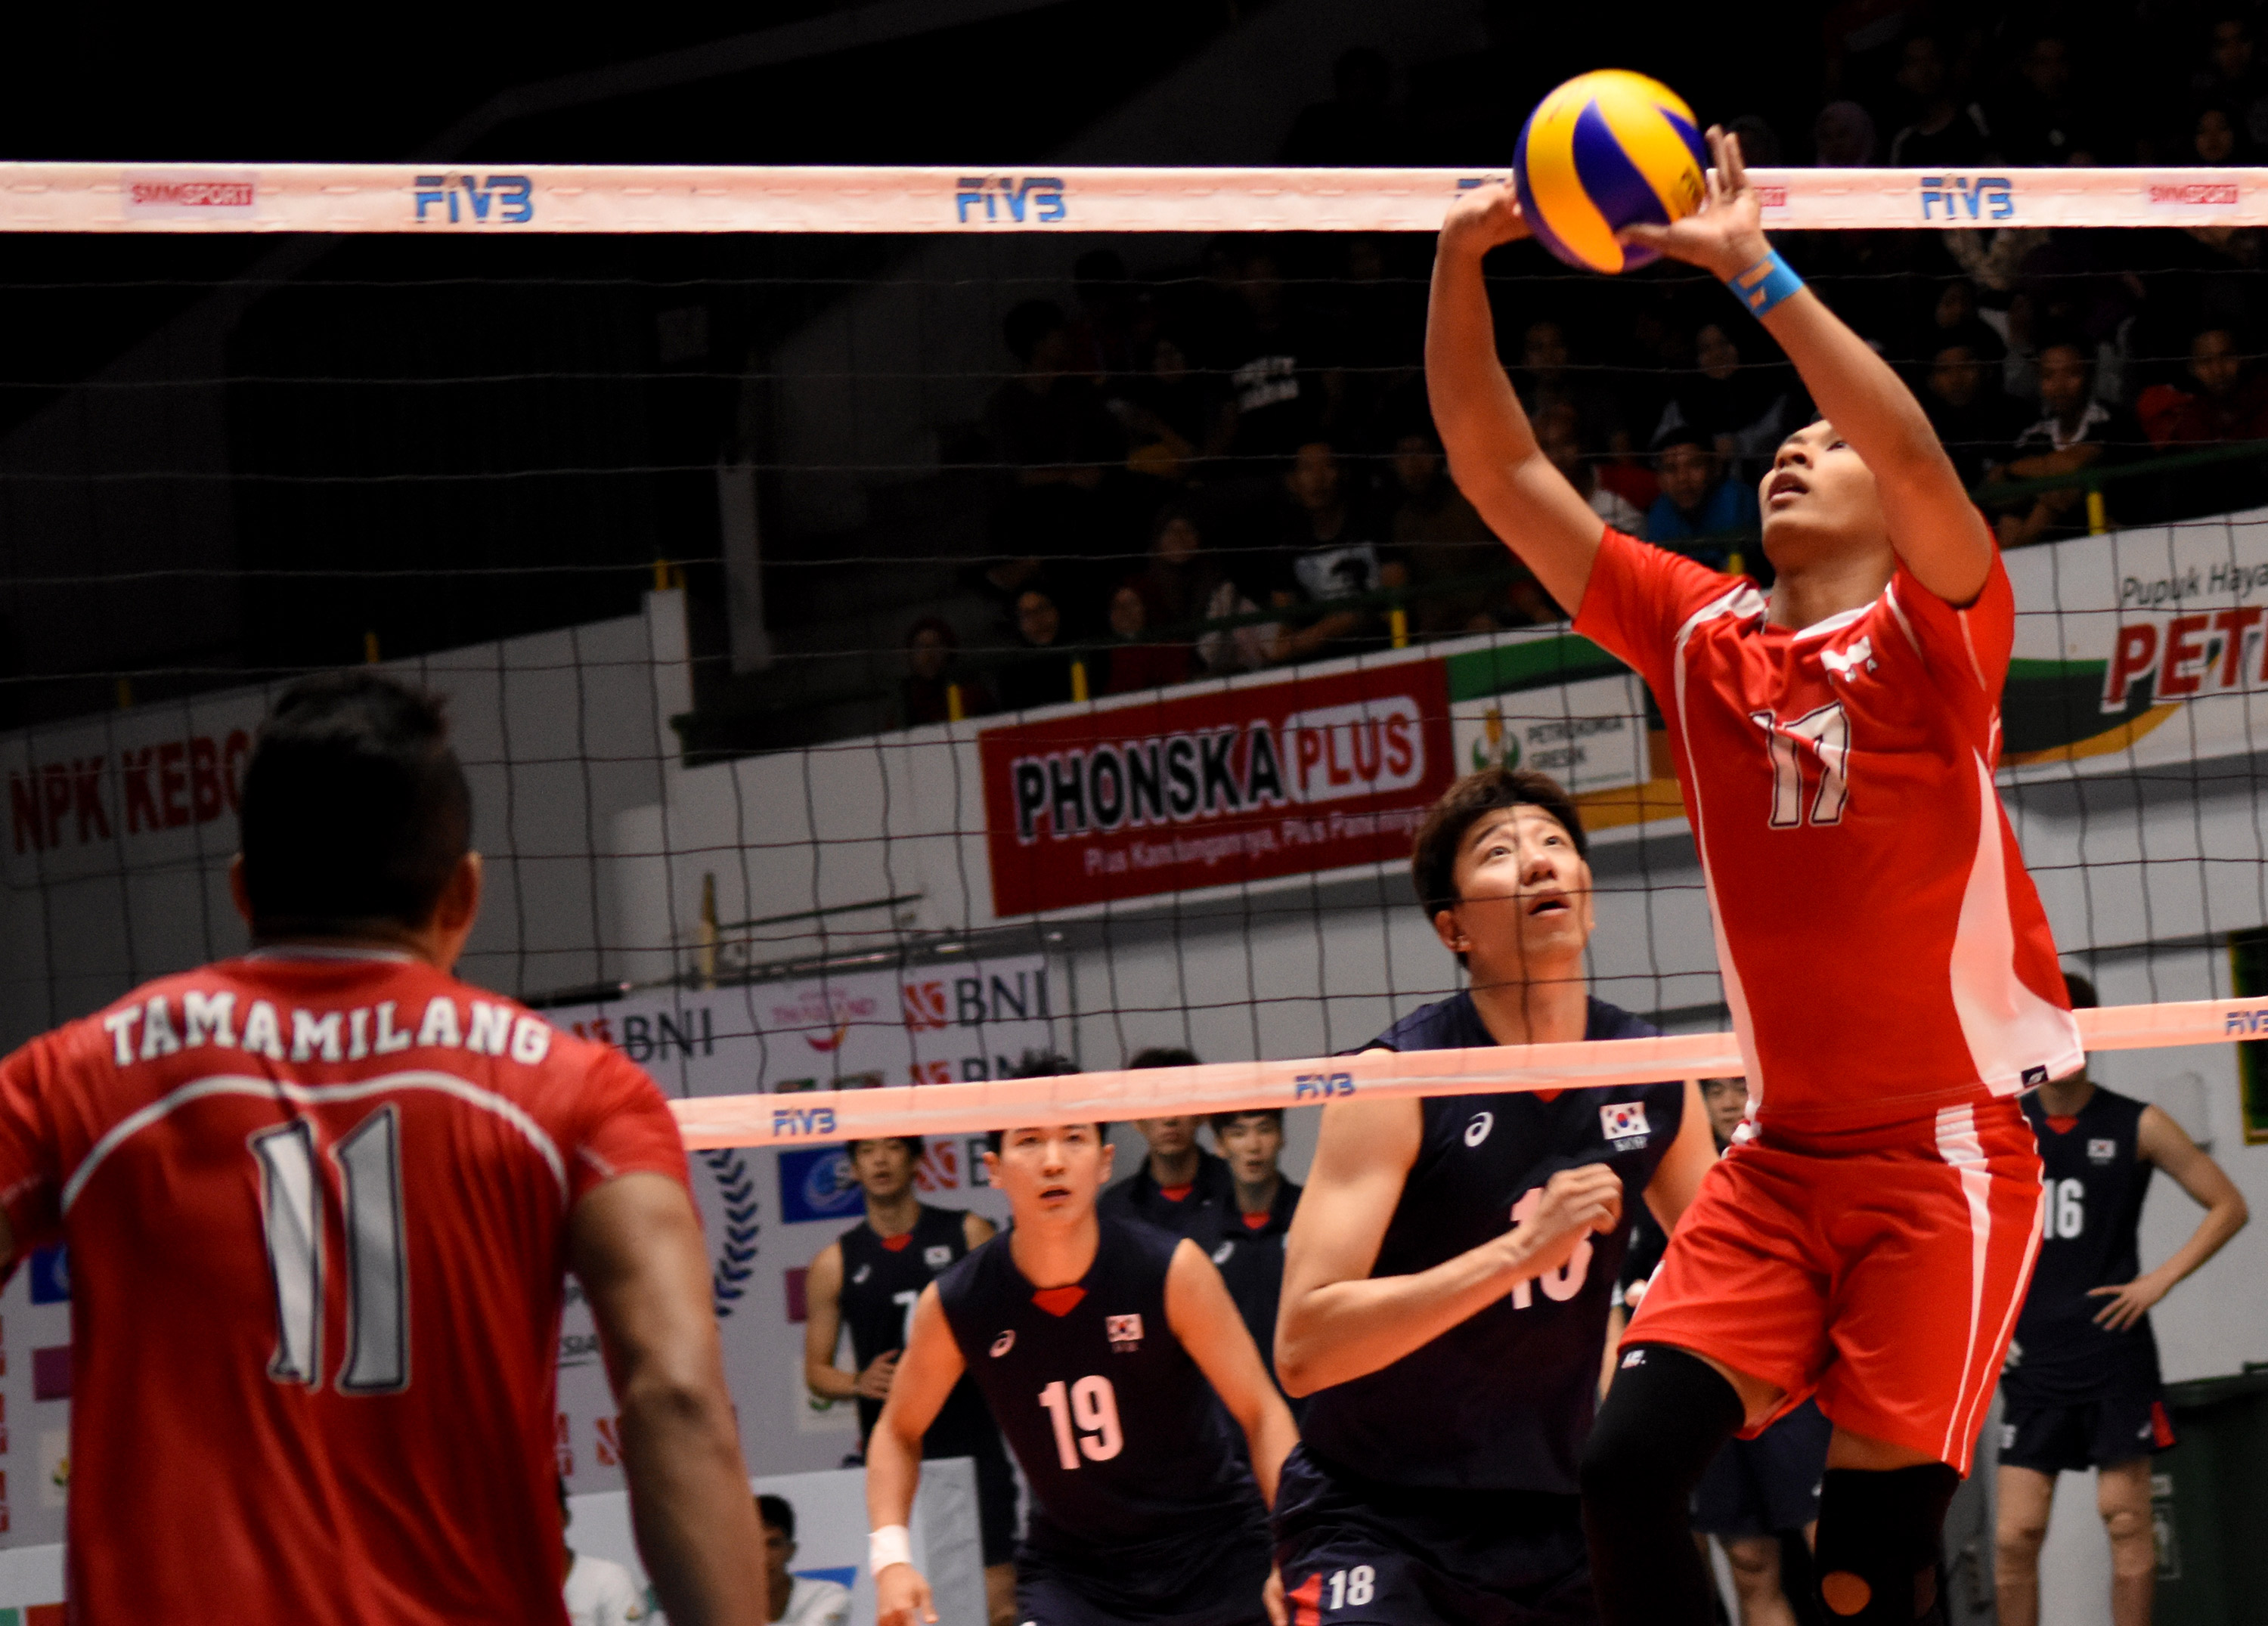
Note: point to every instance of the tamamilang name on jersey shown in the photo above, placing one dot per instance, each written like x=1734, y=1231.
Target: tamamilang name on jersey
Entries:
x=150, y=1029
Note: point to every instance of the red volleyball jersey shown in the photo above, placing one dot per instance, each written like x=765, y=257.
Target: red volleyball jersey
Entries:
x=317, y=1208
x=1883, y=951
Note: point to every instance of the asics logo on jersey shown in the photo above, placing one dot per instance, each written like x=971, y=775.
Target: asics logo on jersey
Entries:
x=859, y=1275
x=937, y=1258
x=1622, y=1121
x=1843, y=663
x=1005, y=1343
x=1477, y=1130
x=1636, y=1358
x=1220, y=1254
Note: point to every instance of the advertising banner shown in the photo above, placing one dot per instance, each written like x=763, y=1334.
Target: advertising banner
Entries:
x=1286, y=777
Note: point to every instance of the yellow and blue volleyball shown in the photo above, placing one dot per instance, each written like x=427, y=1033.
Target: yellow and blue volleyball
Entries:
x=1605, y=150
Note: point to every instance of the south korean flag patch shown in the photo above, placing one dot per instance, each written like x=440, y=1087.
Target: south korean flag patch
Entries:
x=937, y=1257
x=1125, y=1332
x=1624, y=1121
x=2101, y=1152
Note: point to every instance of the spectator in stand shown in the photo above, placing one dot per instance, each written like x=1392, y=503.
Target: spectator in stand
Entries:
x=1054, y=441
x=1359, y=126
x=797, y=1600
x=2075, y=433
x=2231, y=78
x=2041, y=119
x=1545, y=380
x=600, y=1592
x=1745, y=411
x=1954, y=317
x=2217, y=137
x=1843, y=136
x=1133, y=660
x=1697, y=501
x=1283, y=381
x=1173, y=414
x=1042, y=677
x=1244, y=1236
x=1325, y=549
x=1972, y=418
x=1178, y=579
x=1180, y=1180
x=1557, y=435
x=2229, y=400
x=1443, y=542
x=932, y=652
x=1947, y=132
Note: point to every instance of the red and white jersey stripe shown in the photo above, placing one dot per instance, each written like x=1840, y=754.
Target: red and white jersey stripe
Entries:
x=1884, y=953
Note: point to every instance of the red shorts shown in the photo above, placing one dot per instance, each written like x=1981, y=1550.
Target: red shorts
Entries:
x=1881, y=1271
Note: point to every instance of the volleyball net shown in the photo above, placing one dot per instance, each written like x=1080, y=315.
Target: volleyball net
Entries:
x=900, y=622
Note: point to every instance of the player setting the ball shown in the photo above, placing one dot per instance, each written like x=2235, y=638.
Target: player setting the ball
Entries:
x=1868, y=1238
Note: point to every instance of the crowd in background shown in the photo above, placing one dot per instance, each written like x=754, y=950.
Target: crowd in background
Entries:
x=1232, y=466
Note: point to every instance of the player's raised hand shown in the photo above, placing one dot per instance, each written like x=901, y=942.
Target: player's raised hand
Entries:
x=874, y=1382
x=1574, y=1202
x=1482, y=218
x=902, y=1598
x=1726, y=235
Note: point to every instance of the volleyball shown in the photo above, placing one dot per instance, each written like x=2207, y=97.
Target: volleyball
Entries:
x=1605, y=150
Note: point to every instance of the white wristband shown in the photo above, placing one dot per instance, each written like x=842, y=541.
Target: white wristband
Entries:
x=888, y=1546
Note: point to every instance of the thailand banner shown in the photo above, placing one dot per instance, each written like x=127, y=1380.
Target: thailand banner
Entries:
x=1288, y=776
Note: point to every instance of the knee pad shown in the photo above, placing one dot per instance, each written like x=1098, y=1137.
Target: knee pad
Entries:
x=1667, y=1415
x=1880, y=1541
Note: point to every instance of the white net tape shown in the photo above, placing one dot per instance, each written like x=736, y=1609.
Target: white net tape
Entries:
x=1231, y=1086
x=500, y=198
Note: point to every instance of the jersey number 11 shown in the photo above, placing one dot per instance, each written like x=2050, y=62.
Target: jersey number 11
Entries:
x=368, y=1159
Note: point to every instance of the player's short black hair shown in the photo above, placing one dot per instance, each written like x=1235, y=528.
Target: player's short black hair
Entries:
x=2081, y=991
x=355, y=810
x=1433, y=857
x=1043, y=1064
x=1163, y=1055
x=776, y=1512
x=911, y=1143
x=1226, y=1120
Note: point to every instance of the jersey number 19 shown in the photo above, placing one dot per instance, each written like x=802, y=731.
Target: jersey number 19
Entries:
x=1092, y=1405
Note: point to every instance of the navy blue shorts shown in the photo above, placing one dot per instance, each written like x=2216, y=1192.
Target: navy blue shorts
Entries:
x=1221, y=1588
x=1768, y=1484
x=2127, y=1422
x=1359, y=1552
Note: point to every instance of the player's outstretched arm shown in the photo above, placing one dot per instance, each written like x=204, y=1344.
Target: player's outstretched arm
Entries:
x=1934, y=525
x=1678, y=1178
x=1204, y=1317
x=2166, y=1144
x=1493, y=456
x=931, y=1367
x=1336, y=1321
x=635, y=1244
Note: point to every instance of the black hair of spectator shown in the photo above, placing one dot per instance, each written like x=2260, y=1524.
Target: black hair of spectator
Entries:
x=1683, y=435
x=2065, y=339
x=1227, y=1120
x=776, y=1512
x=2080, y=991
x=1434, y=858
x=1164, y=1056
x=355, y=810
x=1030, y=322
x=911, y=1143
x=1045, y=1064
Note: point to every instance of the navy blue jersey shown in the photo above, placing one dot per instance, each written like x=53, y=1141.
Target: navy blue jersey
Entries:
x=1502, y=1401
x=2095, y=1179
x=1136, y=1482
x=1247, y=1250
x=1212, y=1193
x=882, y=1279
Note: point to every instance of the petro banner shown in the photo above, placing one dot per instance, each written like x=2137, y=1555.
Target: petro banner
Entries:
x=1157, y=795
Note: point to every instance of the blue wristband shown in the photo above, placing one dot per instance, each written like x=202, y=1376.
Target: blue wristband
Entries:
x=1764, y=285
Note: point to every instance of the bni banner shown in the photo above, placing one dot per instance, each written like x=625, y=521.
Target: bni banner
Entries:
x=1287, y=776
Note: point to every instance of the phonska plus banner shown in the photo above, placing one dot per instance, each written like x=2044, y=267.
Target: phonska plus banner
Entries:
x=1286, y=776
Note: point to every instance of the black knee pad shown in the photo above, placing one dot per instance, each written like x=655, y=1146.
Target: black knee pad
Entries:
x=1666, y=1417
x=1881, y=1537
